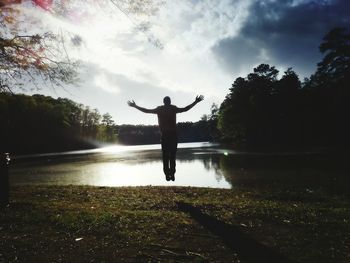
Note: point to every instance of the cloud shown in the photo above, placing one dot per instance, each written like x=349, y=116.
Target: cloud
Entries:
x=195, y=26
x=107, y=83
x=238, y=53
x=207, y=44
x=188, y=30
x=284, y=33
x=148, y=95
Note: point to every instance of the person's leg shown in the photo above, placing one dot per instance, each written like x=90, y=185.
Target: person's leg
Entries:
x=172, y=153
x=165, y=156
x=172, y=165
x=166, y=168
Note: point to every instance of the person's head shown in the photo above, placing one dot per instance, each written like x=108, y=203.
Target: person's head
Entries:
x=167, y=100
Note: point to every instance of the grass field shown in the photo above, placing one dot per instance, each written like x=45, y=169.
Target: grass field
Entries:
x=144, y=224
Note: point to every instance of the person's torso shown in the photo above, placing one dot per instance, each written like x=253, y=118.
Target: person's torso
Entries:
x=167, y=118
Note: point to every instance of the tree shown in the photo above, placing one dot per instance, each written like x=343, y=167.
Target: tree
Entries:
x=249, y=107
x=40, y=123
x=234, y=112
x=107, y=120
x=42, y=58
x=329, y=90
x=31, y=58
x=108, y=128
x=261, y=110
x=264, y=111
x=336, y=48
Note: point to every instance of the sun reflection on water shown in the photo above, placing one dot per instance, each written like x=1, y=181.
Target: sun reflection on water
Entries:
x=120, y=165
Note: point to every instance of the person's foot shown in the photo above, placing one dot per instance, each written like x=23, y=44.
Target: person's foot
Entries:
x=172, y=177
x=167, y=174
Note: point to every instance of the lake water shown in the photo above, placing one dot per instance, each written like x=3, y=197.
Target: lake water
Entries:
x=198, y=164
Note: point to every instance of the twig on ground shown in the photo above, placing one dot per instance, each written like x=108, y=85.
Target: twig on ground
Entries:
x=190, y=253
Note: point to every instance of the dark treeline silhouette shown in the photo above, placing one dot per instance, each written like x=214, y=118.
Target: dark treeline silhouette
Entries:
x=200, y=131
x=138, y=134
x=38, y=123
x=264, y=111
x=32, y=124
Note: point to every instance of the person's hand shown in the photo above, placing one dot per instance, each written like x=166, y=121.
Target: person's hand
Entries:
x=199, y=98
x=131, y=103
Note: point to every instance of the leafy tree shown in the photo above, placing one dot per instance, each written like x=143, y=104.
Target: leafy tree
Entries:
x=108, y=128
x=31, y=58
x=41, y=58
x=138, y=134
x=336, y=48
x=107, y=120
x=42, y=124
x=264, y=111
x=328, y=91
x=261, y=110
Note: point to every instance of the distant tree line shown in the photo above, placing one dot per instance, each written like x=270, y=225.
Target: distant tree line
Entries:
x=38, y=123
x=150, y=134
x=43, y=124
x=264, y=111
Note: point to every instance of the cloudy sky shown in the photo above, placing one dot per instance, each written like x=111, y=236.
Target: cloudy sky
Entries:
x=184, y=48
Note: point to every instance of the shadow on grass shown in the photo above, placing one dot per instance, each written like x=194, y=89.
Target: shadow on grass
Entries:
x=248, y=249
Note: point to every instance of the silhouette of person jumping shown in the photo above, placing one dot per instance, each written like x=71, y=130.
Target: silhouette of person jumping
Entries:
x=167, y=124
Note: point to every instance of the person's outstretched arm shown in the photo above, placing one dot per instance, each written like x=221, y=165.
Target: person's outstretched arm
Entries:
x=188, y=107
x=133, y=104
